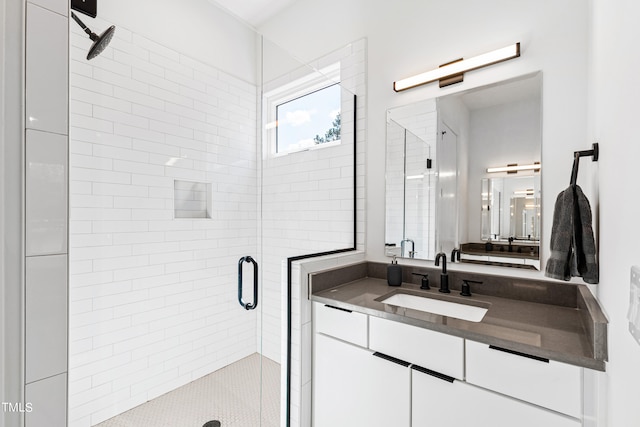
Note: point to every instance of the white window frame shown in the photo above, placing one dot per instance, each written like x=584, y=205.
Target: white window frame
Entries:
x=312, y=82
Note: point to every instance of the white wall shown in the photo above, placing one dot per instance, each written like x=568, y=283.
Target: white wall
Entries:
x=196, y=28
x=411, y=37
x=153, y=299
x=614, y=123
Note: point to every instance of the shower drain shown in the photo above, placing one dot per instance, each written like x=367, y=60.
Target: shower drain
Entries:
x=214, y=423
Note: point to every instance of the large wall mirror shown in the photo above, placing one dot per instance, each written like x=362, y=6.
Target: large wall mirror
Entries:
x=463, y=172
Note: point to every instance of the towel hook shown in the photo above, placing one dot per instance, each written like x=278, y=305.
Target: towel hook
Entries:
x=594, y=153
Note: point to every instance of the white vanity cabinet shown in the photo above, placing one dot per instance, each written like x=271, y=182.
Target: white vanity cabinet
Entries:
x=371, y=371
x=441, y=403
x=352, y=386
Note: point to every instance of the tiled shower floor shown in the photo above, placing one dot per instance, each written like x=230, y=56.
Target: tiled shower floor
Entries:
x=230, y=395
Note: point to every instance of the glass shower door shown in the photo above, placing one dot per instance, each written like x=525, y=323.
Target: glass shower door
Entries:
x=164, y=200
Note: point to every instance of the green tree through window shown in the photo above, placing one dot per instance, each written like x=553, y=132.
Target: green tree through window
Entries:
x=332, y=134
x=308, y=120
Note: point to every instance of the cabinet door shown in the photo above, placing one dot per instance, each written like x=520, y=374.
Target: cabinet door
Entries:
x=440, y=403
x=352, y=387
x=554, y=385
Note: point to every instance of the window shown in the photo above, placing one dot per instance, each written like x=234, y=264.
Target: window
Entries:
x=303, y=110
x=309, y=120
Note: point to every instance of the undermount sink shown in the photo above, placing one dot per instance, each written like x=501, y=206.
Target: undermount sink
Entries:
x=470, y=313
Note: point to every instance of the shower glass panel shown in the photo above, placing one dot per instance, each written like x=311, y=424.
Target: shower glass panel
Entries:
x=308, y=197
x=173, y=188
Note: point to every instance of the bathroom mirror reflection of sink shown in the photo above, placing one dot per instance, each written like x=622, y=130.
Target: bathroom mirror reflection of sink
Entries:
x=471, y=313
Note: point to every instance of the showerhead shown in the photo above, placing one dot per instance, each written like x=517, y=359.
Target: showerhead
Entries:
x=100, y=42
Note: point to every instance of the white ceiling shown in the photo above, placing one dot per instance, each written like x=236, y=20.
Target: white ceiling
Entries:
x=255, y=12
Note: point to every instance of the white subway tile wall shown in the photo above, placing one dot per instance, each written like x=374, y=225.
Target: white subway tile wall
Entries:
x=308, y=208
x=152, y=299
x=307, y=196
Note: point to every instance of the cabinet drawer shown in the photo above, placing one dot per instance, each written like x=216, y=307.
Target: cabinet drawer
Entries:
x=550, y=384
x=342, y=324
x=457, y=404
x=432, y=350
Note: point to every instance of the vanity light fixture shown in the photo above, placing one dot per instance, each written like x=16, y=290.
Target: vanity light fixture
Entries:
x=515, y=168
x=410, y=177
x=453, y=72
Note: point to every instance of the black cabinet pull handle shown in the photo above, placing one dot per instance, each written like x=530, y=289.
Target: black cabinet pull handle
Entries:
x=391, y=359
x=254, y=304
x=338, y=308
x=517, y=353
x=434, y=374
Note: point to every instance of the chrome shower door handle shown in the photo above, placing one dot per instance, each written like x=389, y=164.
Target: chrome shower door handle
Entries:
x=254, y=304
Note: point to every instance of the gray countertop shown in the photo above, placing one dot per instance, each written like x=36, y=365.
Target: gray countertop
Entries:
x=550, y=331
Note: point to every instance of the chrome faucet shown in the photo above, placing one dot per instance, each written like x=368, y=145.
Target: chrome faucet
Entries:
x=444, y=277
x=412, y=252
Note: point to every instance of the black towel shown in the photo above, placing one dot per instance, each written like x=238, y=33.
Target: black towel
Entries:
x=573, y=246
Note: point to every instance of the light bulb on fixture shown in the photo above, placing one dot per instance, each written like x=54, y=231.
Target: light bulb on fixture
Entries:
x=458, y=68
x=515, y=168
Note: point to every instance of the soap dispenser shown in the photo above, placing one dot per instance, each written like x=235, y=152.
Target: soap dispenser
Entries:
x=394, y=273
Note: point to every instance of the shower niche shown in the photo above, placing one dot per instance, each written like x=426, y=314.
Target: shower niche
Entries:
x=191, y=199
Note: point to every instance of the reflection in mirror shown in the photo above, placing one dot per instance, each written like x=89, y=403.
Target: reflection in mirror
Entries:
x=436, y=209
x=410, y=186
x=511, y=209
x=411, y=180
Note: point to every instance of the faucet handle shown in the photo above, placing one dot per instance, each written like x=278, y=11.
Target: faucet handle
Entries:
x=466, y=288
x=424, y=284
